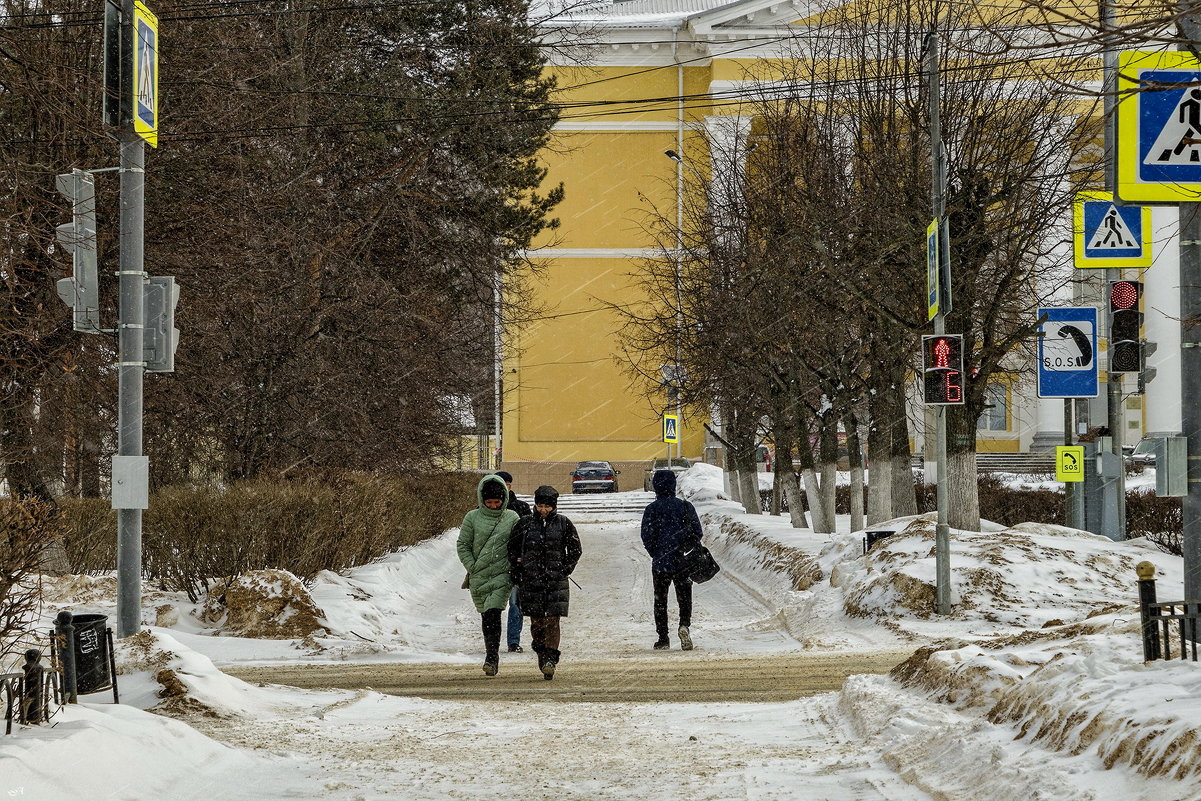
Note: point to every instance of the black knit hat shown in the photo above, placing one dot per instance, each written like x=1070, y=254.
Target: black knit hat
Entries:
x=493, y=489
x=507, y=476
x=546, y=496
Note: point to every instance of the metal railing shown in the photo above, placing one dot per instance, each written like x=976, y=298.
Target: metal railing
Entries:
x=1164, y=622
x=28, y=694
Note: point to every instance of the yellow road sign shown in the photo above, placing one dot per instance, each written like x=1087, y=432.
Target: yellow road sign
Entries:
x=671, y=428
x=1159, y=127
x=145, y=74
x=1069, y=463
x=932, y=276
x=1110, y=235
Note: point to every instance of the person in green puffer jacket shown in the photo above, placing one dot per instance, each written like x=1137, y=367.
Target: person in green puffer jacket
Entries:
x=483, y=547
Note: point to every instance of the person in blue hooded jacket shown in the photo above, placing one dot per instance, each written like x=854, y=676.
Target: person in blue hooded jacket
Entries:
x=668, y=523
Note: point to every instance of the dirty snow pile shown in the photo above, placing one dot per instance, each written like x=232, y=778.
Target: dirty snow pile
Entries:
x=1044, y=639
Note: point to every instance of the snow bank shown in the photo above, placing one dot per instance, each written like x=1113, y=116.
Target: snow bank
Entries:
x=1042, y=647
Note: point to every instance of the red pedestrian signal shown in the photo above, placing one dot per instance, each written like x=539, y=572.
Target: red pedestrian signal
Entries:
x=942, y=369
x=1125, y=320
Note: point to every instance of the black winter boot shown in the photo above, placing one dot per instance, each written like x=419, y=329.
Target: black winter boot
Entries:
x=550, y=659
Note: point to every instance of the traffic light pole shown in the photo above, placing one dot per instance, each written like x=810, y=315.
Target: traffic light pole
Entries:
x=1190, y=364
x=130, y=359
x=942, y=531
x=1113, y=486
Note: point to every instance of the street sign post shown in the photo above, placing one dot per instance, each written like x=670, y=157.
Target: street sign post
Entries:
x=1159, y=127
x=1110, y=235
x=1067, y=353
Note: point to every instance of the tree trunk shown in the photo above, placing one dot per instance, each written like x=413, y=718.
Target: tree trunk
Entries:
x=855, y=461
x=879, y=485
x=963, y=491
x=904, y=494
x=786, y=477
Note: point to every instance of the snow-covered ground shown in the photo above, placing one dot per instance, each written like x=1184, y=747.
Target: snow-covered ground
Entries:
x=1034, y=688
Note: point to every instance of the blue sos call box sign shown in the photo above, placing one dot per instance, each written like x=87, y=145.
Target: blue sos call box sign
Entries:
x=1067, y=353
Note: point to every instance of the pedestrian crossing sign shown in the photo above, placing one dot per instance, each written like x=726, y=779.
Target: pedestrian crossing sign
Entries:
x=1159, y=127
x=1110, y=235
x=671, y=428
x=145, y=74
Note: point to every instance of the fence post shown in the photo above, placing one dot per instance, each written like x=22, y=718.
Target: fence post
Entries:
x=1147, y=610
x=32, y=699
x=66, y=654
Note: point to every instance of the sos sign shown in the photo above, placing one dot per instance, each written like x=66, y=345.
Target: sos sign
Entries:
x=942, y=370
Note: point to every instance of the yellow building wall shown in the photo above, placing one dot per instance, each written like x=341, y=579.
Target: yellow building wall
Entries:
x=568, y=395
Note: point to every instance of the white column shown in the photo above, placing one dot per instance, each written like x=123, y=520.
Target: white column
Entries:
x=1161, y=325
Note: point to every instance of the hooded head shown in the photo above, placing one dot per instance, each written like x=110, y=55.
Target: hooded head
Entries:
x=492, y=487
x=546, y=496
x=664, y=482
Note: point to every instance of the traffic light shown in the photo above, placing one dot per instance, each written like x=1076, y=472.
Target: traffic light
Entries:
x=1125, y=320
x=160, y=337
x=942, y=369
x=81, y=291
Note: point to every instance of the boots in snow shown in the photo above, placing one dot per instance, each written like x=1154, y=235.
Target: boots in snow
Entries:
x=549, y=661
x=685, y=639
x=662, y=644
x=491, y=663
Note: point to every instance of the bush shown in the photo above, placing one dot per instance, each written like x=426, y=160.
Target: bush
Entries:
x=26, y=534
x=333, y=521
x=1160, y=520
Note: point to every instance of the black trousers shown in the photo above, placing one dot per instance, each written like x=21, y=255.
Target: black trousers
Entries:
x=491, y=623
x=683, y=597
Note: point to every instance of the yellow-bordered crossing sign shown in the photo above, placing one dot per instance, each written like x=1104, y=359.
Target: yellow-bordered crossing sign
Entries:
x=145, y=74
x=1159, y=119
x=671, y=428
x=1107, y=234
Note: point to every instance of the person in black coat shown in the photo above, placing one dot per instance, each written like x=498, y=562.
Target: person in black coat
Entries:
x=513, y=622
x=668, y=523
x=543, y=551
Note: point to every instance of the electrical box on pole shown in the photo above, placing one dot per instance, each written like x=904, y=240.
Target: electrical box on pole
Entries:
x=1125, y=320
x=82, y=290
x=160, y=337
x=942, y=370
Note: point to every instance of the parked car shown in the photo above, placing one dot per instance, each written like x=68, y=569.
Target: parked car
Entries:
x=675, y=465
x=1143, y=453
x=594, y=477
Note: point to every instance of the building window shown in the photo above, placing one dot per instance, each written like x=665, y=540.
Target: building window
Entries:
x=996, y=412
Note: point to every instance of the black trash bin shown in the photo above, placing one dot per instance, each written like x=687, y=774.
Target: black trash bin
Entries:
x=92, y=672
x=873, y=537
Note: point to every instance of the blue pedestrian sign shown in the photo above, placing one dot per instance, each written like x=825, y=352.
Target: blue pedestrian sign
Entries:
x=671, y=428
x=1067, y=353
x=1110, y=235
x=1159, y=127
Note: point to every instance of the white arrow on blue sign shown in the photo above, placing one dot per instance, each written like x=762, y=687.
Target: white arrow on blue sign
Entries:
x=1067, y=353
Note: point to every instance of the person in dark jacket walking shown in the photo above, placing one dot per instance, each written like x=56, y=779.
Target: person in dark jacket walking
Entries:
x=513, y=623
x=543, y=551
x=668, y=523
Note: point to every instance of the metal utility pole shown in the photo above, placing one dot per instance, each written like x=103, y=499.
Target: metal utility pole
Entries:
x=942, y=532
x=139, y=121
x=1114, y=481
x=1190, y=367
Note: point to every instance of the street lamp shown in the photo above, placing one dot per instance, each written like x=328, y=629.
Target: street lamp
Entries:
x=679, y=255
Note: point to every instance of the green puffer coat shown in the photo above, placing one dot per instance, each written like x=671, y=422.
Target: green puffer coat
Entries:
x=484, y=550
